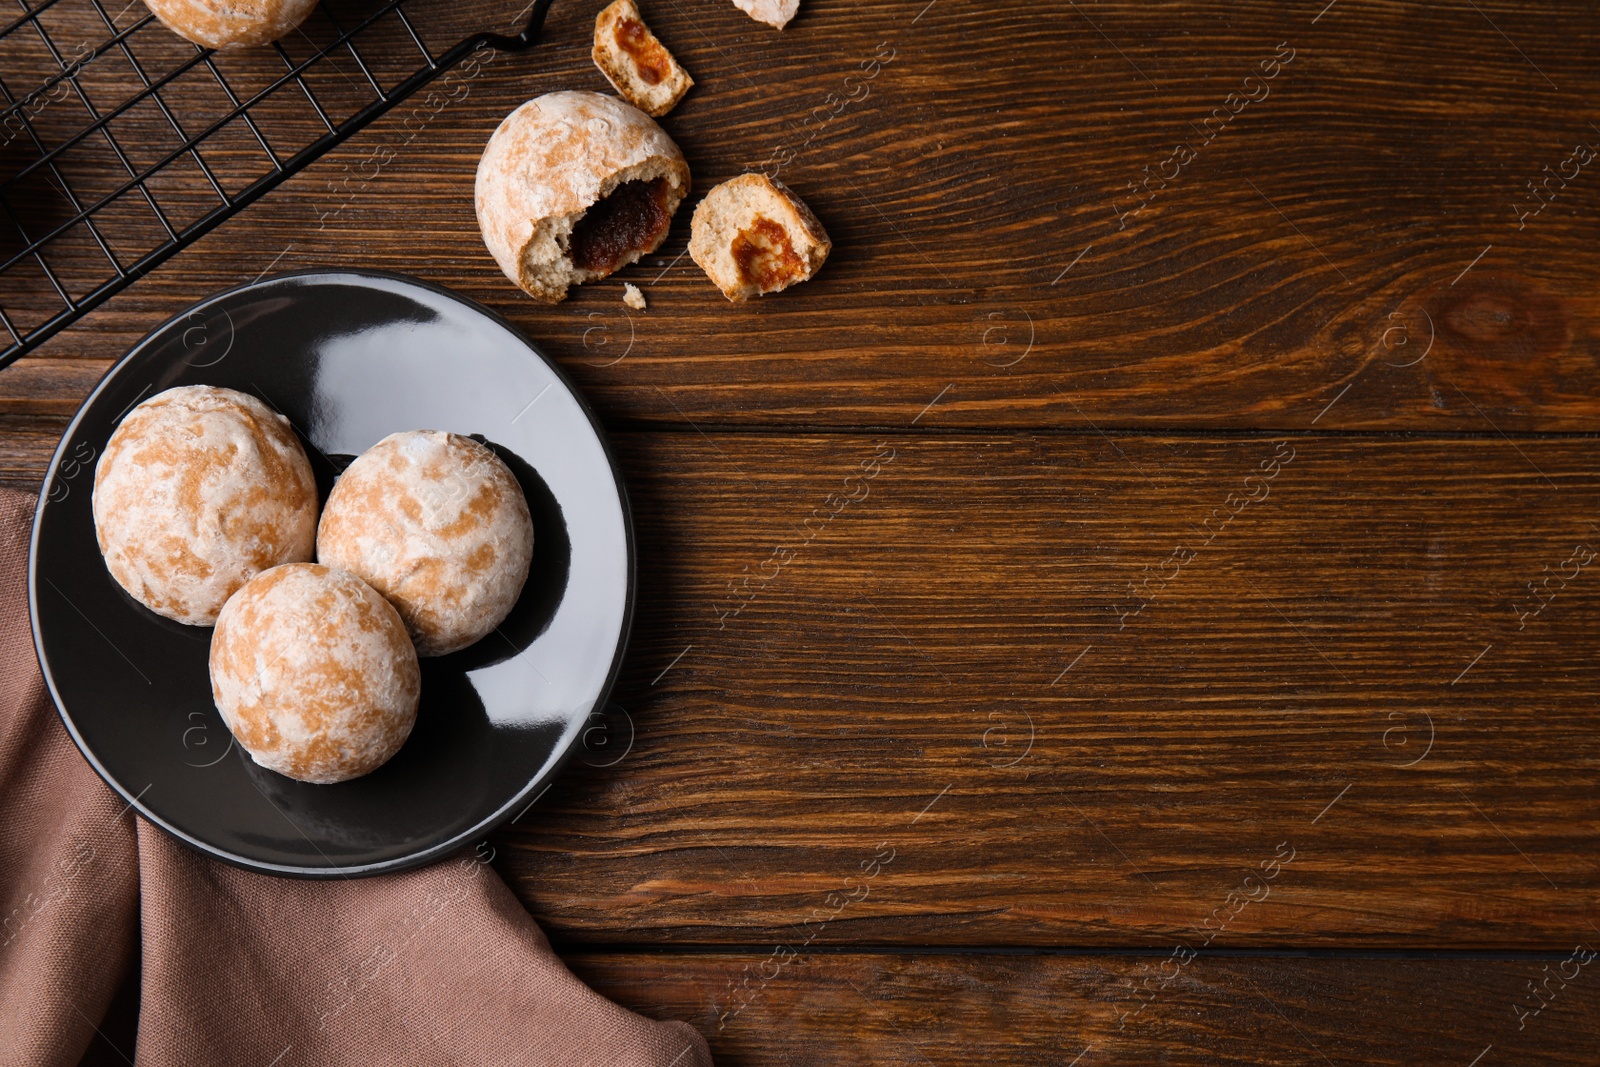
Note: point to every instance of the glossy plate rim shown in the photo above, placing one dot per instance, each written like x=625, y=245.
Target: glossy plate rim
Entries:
x=537, y=786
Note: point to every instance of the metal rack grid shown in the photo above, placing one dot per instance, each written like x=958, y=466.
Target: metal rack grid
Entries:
x=132, y=142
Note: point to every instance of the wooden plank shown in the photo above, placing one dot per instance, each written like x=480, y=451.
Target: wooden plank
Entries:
x=1088, y=1011
x=37, y=385
x=1392, y=235
x=26, y=445
x=955, y=669
x=1084, y=688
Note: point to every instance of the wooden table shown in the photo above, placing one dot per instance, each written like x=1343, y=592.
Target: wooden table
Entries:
x=1138, y=603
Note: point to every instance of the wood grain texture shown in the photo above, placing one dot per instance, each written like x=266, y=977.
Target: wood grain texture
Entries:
x=922, y=1009
x=1044, y=582
x=26, y=444
x=1078, y=708
x=953, y=668
x=1371, y=203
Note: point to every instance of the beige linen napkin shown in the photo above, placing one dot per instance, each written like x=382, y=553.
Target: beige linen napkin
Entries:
x=434, y=966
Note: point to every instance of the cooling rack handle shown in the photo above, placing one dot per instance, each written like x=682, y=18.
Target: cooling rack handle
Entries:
x=526, y=38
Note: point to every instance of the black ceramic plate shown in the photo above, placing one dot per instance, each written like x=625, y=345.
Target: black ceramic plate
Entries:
x=349, y=358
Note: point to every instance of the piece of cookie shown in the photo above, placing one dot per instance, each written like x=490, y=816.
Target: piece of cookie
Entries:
x=198, y=490
x=635, y=62
x=437, y=524
x=221, y=23
x=752, y=236
x=314, y=674
x=573, y=186
x=775, y=13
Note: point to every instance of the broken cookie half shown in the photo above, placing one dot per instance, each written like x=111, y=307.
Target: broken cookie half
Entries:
x=573, y=186
x=635, y=62
x=753, y=236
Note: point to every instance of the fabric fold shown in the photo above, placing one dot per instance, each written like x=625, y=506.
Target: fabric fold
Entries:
x=440, y=965
x=69, y=882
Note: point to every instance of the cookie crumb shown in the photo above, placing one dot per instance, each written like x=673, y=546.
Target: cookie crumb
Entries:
x=632, y=296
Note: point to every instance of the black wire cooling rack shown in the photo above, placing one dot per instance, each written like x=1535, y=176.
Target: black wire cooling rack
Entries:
x=130, y=143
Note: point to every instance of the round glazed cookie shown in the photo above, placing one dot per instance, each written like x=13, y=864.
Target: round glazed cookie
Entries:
x=573, y=186
x=219, y=23
x=198, y=490
x=314, y=674
x=437, y=524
